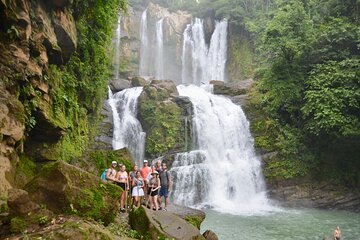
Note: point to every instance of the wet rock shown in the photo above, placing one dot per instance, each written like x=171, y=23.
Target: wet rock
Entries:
x=20, y=203
x=217, y=82
x=117, y=85
x=168, y=85
x=308, y=193
x=210, y=235
x=162, y=224
x=193, y=216
x=66, y=188
x=138, y=82
x=46, y=34
x=161, y=118
x=65, y=30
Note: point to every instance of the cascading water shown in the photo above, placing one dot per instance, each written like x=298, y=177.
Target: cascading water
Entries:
x=194, y=53
x=117, y=38
x=216, y=59
x=223, y=172
x=201, y=63
x=144, y=68
x=159, y=50
x=127, y=129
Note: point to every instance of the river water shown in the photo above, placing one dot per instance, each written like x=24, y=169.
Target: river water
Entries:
x=286, y=224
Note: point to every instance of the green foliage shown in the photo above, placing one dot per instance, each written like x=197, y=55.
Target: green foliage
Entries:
x=17, y=225
x=195, y=221
x=165, y=121
x=309, y=88
x=103, y=158
x=77, y=88
x=287, y=35
x=42, y=220
x=332, y=99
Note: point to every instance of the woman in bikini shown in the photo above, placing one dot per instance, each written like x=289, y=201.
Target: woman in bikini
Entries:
x=138, y=189
x=123, y=182
x=154, y=183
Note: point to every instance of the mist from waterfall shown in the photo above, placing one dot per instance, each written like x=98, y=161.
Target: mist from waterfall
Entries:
x=202, y=63
x=159, y=69
x=222, y=171
x=144, y=68
x=117, y=42
x=127, y=128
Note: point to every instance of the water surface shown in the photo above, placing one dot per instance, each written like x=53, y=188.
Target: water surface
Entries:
x=294, y=224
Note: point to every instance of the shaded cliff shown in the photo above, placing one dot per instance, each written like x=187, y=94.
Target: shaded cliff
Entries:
x=54, y=68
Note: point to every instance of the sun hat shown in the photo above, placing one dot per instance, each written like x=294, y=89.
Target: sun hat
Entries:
x=145, y=161
x=113, y=162
x=155, y=172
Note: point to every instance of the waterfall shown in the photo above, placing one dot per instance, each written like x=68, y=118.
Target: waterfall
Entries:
x=159, y=50
x=117, y=38
x=222, y=171
x=127, y=129
x=216, y=59
x=144, y=68
x=202, y=63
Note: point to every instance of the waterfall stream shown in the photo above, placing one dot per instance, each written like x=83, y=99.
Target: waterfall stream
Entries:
x=202, y=63
x=222, y=171
x=127, y=128
x=145, y=46
x=159, y=50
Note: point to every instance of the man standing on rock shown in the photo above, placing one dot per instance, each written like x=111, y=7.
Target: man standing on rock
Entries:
x=145, y=170
x=166, y=184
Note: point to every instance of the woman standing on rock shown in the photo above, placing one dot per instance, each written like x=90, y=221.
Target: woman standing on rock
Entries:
x=138, y=189
x=155, y=185
x=123, y=182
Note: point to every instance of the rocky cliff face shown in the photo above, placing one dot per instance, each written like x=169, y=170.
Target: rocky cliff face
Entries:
x=33, y=34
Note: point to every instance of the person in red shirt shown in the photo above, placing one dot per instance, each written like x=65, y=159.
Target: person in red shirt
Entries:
x=144, y=173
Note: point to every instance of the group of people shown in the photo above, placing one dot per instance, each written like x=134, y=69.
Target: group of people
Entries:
x=149, y=184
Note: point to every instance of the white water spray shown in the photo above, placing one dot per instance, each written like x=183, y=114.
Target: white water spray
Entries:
x=144, y=67
x=201, y=63
x=159, y=50
x=127, y=129
x=223, y=172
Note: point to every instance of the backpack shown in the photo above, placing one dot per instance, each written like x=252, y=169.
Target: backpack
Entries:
x=103, y=175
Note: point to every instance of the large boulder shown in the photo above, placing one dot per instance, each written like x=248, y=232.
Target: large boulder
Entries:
x=210, y=235
x=66, y=188
x=193, y=216
x=162, y=224
x=19, y=202
x=117, y=85
x=161, y=118
x=138, y=82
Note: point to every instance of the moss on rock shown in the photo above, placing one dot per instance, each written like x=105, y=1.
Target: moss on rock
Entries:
x=161, y=118
x=103, y=158
x=65, y=188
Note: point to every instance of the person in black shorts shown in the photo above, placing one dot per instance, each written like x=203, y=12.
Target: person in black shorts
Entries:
x=154, y=184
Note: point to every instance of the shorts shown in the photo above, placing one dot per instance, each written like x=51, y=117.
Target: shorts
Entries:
x=137, y=192
x=122, y=185
x=164, y=191
x=154, y=193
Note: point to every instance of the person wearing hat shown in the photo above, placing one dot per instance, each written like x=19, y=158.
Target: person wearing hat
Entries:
x=144, y=173
x=111, y=172
x=154, y=183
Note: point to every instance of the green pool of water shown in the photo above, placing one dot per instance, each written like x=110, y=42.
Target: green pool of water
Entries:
x=294, y=224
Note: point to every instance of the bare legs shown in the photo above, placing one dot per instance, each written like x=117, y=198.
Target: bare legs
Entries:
x=154, y=200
